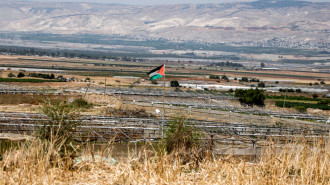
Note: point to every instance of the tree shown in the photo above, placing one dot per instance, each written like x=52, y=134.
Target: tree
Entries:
x=262, y=64
x=214, y=77
x=52, y=76
x=224, y=77
x=20, y=75
x=174, y=83
x=251, y=96
x=261, y=84
x=245, y=79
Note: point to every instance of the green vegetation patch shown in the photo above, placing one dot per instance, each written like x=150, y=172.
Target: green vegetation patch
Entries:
x=322, y=106
x=27, y=80
x=251, y=96
x=302, y=98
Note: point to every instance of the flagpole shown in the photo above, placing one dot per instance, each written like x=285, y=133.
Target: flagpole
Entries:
x=163, y=121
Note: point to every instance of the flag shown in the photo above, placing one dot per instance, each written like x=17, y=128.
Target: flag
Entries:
x=158, y=72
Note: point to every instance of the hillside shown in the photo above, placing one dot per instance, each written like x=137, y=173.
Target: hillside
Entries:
x=260, y=23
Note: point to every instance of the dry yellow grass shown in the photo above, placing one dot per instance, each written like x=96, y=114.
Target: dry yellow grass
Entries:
x=298, y=163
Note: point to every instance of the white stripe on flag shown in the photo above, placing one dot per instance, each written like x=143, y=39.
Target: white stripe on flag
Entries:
x=153, y=74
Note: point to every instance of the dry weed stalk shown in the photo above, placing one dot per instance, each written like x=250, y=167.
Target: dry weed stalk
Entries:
x=294, y=163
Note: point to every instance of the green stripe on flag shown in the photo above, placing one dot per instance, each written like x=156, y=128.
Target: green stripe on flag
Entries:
x=156, y=77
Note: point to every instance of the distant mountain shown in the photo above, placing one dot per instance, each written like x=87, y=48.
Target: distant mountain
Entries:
x=265, y=22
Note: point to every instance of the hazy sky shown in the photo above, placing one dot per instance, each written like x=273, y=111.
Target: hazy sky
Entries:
x=155, y=2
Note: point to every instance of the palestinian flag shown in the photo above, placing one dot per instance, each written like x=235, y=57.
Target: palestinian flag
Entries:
x=158, y=72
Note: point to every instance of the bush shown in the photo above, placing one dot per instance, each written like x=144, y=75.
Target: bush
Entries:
x=324, y=102
x=20, y=75
x=300, y=109
x=286, y=90
x=254, y=80
x=11, y=75
x=224, y=77
x=261, y=84
x=251, y=96
x=307, y=105
x=41, y=75
x=245, y=79
x=298, y=91
x=61, y=125
x=294, y=98
x=214, y=77
x=174, y=83
x=180, y=135
x=132, y=113
x=80, y=103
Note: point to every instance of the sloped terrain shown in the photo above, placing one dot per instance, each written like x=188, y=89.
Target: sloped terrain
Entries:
x=270, y=23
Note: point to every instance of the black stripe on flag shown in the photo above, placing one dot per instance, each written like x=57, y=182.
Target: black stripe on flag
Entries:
x=156, y=69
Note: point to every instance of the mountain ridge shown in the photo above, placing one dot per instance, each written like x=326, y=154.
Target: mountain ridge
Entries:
x=231, y=23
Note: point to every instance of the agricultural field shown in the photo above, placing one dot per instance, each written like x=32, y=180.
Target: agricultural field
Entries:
x=111, y=117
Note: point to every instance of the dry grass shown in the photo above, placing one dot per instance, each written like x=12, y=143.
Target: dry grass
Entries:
x=297, y=163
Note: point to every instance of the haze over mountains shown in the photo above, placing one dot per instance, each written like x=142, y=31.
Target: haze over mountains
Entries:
x=262, y=23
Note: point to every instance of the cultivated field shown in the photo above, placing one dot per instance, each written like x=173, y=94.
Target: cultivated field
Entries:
x=120, y=107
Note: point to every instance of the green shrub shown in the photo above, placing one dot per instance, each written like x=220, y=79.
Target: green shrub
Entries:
x=294, y=98
x=214, y=77
x=27, y=80
x=324, y=102
x=174, y=83
x=80, y=103
x=224, y=77
x=300, y=109
x=251, y=96
x=20, y=75
x=60, y=127
x=245, y=79
x=298, y=90
x=254, y=80
x=307, y=105
x=11, y=75
x=180, y=135
x=261, y=84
